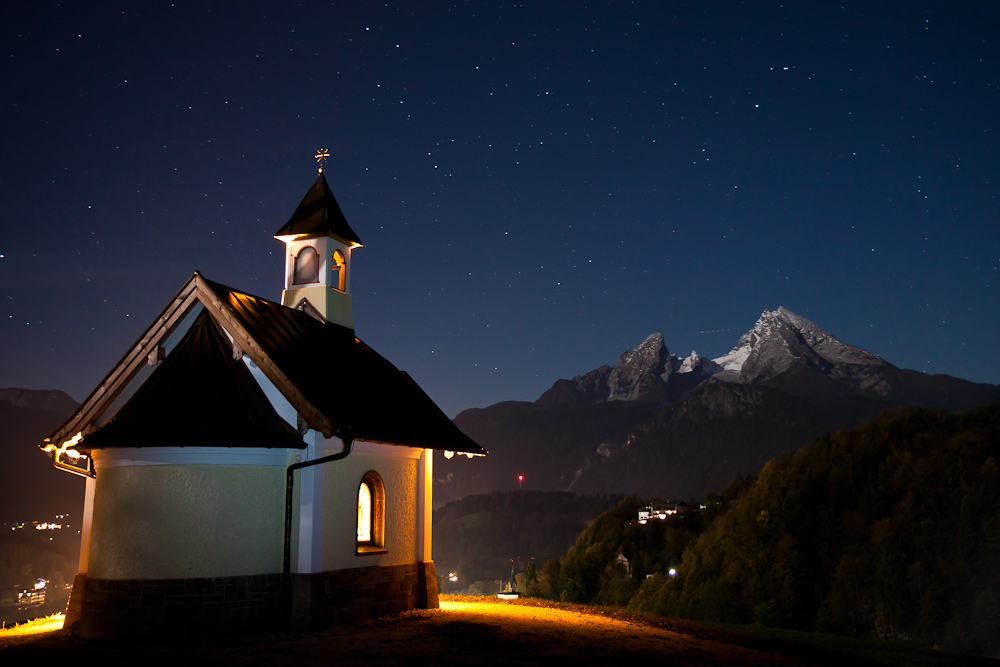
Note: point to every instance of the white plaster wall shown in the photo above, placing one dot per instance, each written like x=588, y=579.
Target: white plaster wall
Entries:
x=398, y=467
x=333, y=305
x=181, y=521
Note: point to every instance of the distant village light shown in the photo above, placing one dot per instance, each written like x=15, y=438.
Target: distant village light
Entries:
x=48, y=526
x=661, y=512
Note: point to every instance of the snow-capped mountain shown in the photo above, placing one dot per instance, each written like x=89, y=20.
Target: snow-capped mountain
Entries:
x=782, y=350
x=782, y=342
x=696, y=362
x=660, y=425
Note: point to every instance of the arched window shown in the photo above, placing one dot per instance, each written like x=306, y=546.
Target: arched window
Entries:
x=364, y=514
x=339, y=271
x=371, y=514
x=307, y=266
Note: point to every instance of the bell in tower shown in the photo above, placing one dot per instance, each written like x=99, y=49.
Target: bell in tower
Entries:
x=318, y=243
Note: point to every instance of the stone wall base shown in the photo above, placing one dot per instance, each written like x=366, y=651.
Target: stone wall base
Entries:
x=176, y=609
x=339, y=597
x=245, y=606
x=74, y=602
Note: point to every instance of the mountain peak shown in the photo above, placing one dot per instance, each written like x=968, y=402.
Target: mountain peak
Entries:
x=642, y=372
x=695, y=362
x=783, y=350
x=781, y=339
x=47, y=399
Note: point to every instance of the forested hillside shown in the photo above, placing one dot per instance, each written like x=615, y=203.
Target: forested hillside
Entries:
x=890, y=529
x=588, y=572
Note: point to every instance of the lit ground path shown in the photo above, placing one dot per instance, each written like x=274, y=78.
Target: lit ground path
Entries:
x=36, y=627
x=460, y=633
x=540, y=635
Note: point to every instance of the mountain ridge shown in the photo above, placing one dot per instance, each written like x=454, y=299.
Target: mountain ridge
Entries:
x=53, y=400
x=659, y=425
x=816, y=362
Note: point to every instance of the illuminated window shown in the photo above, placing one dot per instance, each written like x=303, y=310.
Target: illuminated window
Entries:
x=371, y=514
x=307, y=266
x=364, y=513
x=339, y=271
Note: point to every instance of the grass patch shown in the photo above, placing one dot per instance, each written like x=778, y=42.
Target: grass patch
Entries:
x=814, y=647
x=866, y=650
x=36, y=626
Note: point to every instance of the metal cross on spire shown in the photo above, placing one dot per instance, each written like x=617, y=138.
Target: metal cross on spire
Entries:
x=321, y=155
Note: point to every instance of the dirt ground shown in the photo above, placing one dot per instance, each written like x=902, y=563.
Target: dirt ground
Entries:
x=462, y=632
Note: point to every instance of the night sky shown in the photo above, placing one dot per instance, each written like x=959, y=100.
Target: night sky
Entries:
x=538, y=187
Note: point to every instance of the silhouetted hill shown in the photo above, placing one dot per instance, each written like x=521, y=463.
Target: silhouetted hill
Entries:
x=479, y=537
x=720, y=430
x=30, y=488
x=546, y=444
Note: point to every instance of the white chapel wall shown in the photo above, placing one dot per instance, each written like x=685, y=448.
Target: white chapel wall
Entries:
x=399, y=469
x=185, y=521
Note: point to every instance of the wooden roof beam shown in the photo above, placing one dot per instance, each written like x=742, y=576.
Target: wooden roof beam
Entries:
x=118, y=378
x=223, y=314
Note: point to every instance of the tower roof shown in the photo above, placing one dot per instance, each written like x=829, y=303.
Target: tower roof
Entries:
x=319, y=214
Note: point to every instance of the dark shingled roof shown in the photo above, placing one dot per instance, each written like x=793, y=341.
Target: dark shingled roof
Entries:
x=319, y=214
x=357, y=389
x=198, y=396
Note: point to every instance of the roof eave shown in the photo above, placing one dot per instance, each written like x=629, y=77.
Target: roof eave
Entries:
x=125, y=370
x=195, y=290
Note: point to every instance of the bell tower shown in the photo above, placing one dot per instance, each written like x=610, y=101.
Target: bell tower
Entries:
x=318, y=244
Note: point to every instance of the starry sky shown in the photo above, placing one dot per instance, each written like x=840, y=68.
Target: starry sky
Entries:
x=538, y=186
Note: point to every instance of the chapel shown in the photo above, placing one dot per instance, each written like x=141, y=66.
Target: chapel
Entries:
x=252, y=465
